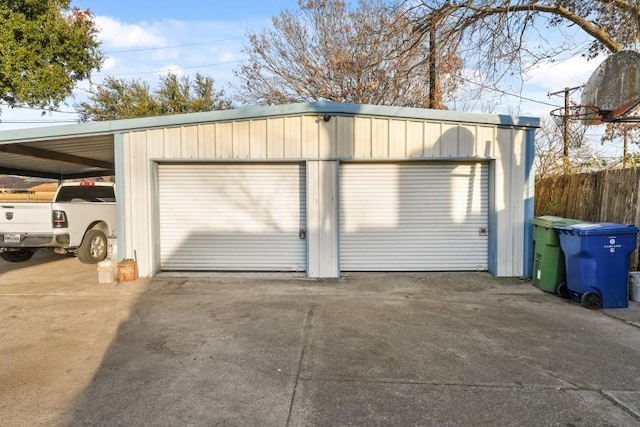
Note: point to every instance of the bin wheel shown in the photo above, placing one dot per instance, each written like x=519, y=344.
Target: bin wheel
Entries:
x=563, y=291
x=591, y=300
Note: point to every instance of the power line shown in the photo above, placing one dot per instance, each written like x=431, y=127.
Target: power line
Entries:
x=495, y=89
x=45, y=110
x=173, y=46
x=158, y=71
x=38, y=121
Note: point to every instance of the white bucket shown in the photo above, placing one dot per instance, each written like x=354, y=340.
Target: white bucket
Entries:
x=634, y=286
x=107, y=271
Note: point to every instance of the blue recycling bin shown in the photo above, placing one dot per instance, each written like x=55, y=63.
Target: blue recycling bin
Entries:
x=597, y=261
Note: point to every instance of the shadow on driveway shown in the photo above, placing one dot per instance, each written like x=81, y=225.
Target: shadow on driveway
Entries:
x=369, y=349
x=32, y=268
x=281, y=350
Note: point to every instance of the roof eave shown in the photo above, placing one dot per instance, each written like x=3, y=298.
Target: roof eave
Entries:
x=323, y=108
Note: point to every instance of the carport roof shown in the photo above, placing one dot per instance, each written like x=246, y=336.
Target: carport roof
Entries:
x=86, y=149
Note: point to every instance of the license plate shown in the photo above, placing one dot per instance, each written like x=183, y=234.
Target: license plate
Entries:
x=12, y=238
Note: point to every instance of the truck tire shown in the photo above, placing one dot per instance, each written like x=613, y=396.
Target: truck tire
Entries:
x=93, y=248
x=17, y=256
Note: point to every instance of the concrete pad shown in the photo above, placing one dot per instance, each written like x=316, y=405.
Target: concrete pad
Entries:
x=283, y=350
x=56, y=326
x=630, y=315
x=630, y=400
x=223, y=361
x=439, y=342
x=391, y=404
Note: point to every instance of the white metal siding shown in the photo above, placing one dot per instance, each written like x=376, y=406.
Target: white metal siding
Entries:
x=305, y=138
x=232, y=216
x=422, y=216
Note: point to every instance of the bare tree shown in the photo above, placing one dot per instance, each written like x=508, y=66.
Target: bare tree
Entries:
x=331, y=51
x=504, y=38
x=496, y=35
x=627, y=133
x=583, y=156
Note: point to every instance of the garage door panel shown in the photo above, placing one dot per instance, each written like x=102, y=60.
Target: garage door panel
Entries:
x=232, y=217
x=413, y=216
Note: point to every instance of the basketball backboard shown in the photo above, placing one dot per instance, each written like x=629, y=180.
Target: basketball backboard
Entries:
x=614, y=88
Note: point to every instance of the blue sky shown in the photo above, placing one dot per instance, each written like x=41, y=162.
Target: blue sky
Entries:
x=187, y=10
x=144, y=39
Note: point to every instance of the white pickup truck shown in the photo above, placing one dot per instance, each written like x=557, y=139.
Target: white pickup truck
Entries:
x=78, y=221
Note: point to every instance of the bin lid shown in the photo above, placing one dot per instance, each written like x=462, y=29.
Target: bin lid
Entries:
x=598, y=228
x=549, y=221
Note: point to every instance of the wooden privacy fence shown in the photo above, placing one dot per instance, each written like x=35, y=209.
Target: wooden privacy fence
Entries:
x=605, y=196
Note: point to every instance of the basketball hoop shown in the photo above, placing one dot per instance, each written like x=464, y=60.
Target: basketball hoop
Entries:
x=576, y=118
x=584, y=114
x=614, y=87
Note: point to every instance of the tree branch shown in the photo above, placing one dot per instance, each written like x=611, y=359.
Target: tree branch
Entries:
x=597, y=33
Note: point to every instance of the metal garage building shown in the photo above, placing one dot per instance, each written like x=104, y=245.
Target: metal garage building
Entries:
x=322, y=187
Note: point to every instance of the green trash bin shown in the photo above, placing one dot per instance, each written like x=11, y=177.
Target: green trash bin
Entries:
x=549, y=270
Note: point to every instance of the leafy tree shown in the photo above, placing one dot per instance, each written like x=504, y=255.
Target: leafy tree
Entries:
x=329, y=50
x=45, y=48
x=120, y=99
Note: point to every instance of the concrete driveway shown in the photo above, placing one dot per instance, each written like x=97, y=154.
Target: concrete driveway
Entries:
x=280, y=350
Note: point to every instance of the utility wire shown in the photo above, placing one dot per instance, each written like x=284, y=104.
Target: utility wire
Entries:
x=37, y=121
x=46, y=110
x=173, y=46
x=157, y=71
x=504, y=92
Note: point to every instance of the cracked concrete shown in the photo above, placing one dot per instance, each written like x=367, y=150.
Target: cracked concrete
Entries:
x=282, y=350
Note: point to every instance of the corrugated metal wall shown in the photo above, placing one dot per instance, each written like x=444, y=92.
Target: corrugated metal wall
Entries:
x=322, y=144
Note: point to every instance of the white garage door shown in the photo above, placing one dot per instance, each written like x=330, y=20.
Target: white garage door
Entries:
x=414, y=216
x=232, y=217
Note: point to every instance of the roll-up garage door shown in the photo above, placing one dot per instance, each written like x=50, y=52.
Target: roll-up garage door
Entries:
x=414, y=216
x=232, y=217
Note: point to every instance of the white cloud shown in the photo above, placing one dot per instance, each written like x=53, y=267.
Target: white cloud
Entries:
x=163, y=55
x=227, y=57
x=117, y=34
x=82, y=87
x=172, y=68
x=554, y=76
x=109, y=64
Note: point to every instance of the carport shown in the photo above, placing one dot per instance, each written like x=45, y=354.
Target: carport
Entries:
x=52, y=153
x=316, y=187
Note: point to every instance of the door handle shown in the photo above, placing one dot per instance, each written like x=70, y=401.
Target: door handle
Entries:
x=302, y=234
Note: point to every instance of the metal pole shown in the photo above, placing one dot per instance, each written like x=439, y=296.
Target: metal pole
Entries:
x=433, y=76
x=625, y=148
x=565, y=133
x=566, y=129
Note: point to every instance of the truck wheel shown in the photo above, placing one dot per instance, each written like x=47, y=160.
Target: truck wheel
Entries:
x=93, y=248
x=17, y=256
